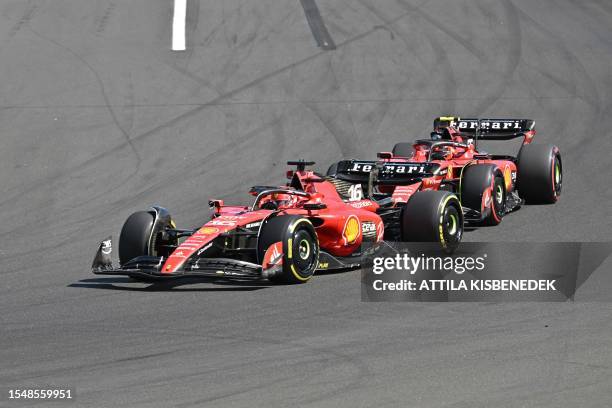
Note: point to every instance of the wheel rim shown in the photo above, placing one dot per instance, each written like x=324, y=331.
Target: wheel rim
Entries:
x=500, y=197
x=305, y=252
x=452, y=226
x=499, y=194
x=304, y=249
x=557, y=176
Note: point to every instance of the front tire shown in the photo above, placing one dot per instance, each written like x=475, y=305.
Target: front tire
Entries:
x=540, y=174
x=140, y=235
x=433, y=216
x=300, y=247
x=135, y=236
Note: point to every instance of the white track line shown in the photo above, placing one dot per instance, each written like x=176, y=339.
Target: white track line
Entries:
x=178, y=25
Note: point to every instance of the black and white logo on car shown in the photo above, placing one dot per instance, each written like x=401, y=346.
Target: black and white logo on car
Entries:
x=368, y=230
x=107, y=247
x=389, y=168
x=509, y=125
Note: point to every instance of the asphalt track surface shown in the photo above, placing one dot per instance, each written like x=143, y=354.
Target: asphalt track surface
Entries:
x=98, y=118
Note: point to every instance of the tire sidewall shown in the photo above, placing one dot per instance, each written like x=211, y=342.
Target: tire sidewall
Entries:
x=479, y=181
x=284, y=228
x=422, y=219
x=290, y=266
x=536, y=173
x=403, y=149
x=135, y=236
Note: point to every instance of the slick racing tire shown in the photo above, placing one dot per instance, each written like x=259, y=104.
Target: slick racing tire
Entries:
x=300, y=247
x=136, y=236
x=483, y=189
x=403, y=149
x=540, y=174
x=433, y=217
x=332, y=170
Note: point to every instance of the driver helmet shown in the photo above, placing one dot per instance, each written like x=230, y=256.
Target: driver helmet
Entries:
x=442, y=153
x=282, y=200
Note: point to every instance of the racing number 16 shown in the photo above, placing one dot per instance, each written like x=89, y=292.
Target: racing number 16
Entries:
x=355, y=192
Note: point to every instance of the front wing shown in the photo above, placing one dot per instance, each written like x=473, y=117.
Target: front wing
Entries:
x=149, y=267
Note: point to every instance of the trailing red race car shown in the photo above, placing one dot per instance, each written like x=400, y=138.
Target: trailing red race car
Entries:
x=285, y=235
x=488, y=186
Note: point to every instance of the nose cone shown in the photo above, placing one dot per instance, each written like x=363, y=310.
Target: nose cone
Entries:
x=190, y=247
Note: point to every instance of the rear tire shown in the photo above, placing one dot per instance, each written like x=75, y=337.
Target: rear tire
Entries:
x=300, y=247
x=540, y=174
x=433, y=216
x=403, y=149
x=484, y=180
x=332, y=170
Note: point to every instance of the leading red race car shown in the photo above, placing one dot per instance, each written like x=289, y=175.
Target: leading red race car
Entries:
x=488, y=185
x=285, y=236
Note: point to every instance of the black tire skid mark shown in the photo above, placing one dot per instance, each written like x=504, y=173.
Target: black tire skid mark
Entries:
x=179, y=118
x=101, y=85
x=388, y=25
x=107, y=105
x=345, y=145
x=103, y=21
x=417, y=10
x=514, y=57
x=247, y=45
x=110, y=208
x=32, y=7
x=327, y=124
x=275, y=149
x=439, y=52
x=590, y=95
x=190, y=171
x=129, y=142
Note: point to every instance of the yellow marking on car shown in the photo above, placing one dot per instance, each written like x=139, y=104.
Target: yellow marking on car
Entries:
x=441, y=209
x=297, y=275
x=295, y=224
x=447, y=199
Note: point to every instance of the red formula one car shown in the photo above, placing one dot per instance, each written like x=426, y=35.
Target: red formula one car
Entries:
x=285, y=236
x=487, y=185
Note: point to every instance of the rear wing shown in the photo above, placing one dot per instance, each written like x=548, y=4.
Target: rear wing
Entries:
x=384, y=173
x=488, y=129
